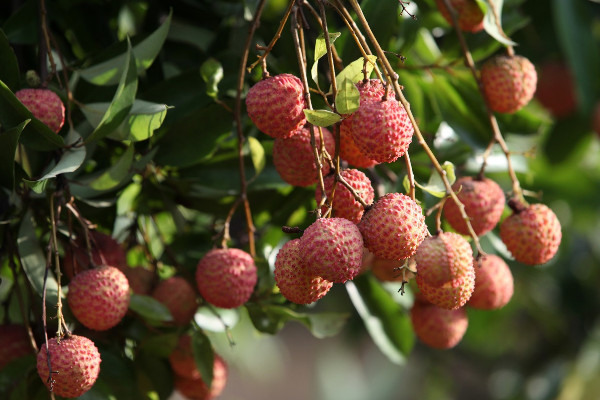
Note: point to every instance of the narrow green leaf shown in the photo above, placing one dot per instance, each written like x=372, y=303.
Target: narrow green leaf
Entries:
x=385, y=320
x=9, y=141
x=121, y=103
x=490, y=25
x=109, y=72
x=320, y=51
x=212, y=73
x=9, y=68
x=115, y=174
x=149, y=308
x=321, y=118
x=355, y=70
x=347, y=99
x=257, y=153
x=204, y=356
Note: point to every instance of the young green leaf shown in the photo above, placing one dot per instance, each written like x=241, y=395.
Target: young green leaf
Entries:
x=322, y=118
x=320, y=51
x=354, y=71
x=212, y=73
x=257, y=153
x=347, y=99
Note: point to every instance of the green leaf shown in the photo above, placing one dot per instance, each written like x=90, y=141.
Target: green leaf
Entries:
x=257, y=153
x=149, y=308
x=141, y=122
x=115, y=174
x=204, y=356
x=110, y=72
x=34, y=261
x=161, y=345
x=320, y=51
x=9, y=141
x=121, y=103
x=216, y=319
x=354, y=71
x=489, y=21
x=212, y=73
x=436, y=186
x=9, y=68
x=321, y=118
x=385, y=320
x=347, y=99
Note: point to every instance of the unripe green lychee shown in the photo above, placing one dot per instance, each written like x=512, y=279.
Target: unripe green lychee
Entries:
x=45, y=105
x=493, y=283
x=470, y=16
x=344, y=205
x=75, y=362
x=437, y=327
x=226, y=277
x=179, y=296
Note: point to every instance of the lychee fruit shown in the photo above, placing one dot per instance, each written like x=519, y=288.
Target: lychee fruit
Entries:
x=45, y=105
x=390, y=270
x=182, y=358
x=437, y=327
x=179, y=296
x=532, y=233
x=508, y=82
x=483, y=200
x=294, y=280
x=344, y=204
x=294, y=159
x=394, y=227
x=105, y=250
x=332, y=248
x=382, y=130
x=196, y=389
x=226, y=277
x=350, y=152
x=140, y=279
x=445, y=273
x=493, y=283
x=15, y=343
x=556, y=88
x=75, y=362
x=276, y=105
x=470, y=16
x=99, y=297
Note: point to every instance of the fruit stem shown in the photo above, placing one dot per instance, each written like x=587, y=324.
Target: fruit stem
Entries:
x=54, y=249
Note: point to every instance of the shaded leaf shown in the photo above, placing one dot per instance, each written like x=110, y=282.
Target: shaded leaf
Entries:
x=257, y=153
x=204, y=356
x=347, y=99
x=436, y=186
x=9, y=141
x=161, y=345
x=490, y=25
x=321, y=118
x=115, y=174
x=9, y=68
x=149, y=308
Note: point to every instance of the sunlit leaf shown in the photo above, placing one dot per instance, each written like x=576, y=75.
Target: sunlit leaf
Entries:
x=212, y=73
x=492, y=26
x=115, y=174
x=347, y=99
x=257, y=153
x=321, y=118
x=320, y=51
x=354, y=71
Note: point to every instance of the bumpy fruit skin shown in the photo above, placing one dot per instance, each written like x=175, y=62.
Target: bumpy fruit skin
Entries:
x=15, y=343
x=332, y=248
x=382, y=130
x=105, y=250
x=76, y=361
x=470, y=16
x=140, y=279
x=508, y=82
x=226, y=277
x=350, y=152
x=556, y=89
x=99, y=297
x=45, y=105
x=437, y=327
x=445, y=273
x=494, y=284
x=295, y=282
x=179, y=297
x=294, y=160
x=344, y=204
x=196, y=389
x=276, y=105
x=483, y=200
x=532, y=234
x=390, y=270
x=394, y=227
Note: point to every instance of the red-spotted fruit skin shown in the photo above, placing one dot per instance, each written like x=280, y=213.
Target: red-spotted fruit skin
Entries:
x=226, y=277
x=344, y=204
x=332, y=248
x=45, y=105
x=445, y=273
x=276, y=105
x=556, y=88
x=394, y=227
x=75, y=361
x=15, y=343
x=294, y=160
x=437, y=327
x=483, y=200
x=382, y=130
x=294, y=280
x=470, y=16
x=179, y=296
x=195, y=388
x=508, y=82
x=99, y=297
x=350, y=152
x=494, y=283
x=532, y=235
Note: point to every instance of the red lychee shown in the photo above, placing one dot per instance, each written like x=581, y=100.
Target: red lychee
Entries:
x=276, y=105
x=556, y=89
x=483, y=200
x=344, y=204
x=390, y=270
x=15, y=343
x=294, y=160
x=393, y=227
x=493, y=283
x=75, y=362
x=226, y=277
x=45, y=105
x=332, y=248
x=140, y=279
x=182, y=358
x=293, y=278
x=99, y=297
x=350, y=152
x=470, y=16
x=508, y=82
x=179, y=296
x=196, y=389
x=437, y=327
x=532, y=233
